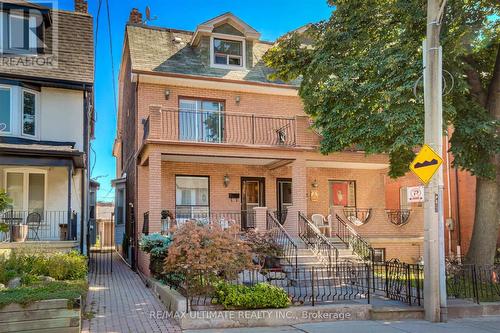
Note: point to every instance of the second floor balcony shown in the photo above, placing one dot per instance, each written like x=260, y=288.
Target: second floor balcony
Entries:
x=206, y=126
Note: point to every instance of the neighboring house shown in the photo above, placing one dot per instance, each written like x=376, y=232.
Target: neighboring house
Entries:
x=204, y=134
x=46, y=119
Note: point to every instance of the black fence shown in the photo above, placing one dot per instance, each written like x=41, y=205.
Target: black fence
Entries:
x=281, y=237
x=473, y=282
x=306, y=286
x=399, y=281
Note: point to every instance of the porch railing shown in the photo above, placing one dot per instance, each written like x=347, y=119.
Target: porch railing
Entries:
x=317, y=242
x=243, y=219
x=351, y=238
x=282, y=237
x=220, y=127
x=41, y=225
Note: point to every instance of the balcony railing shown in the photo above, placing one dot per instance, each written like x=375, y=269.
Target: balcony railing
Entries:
x=219, y=127
x=39, y=226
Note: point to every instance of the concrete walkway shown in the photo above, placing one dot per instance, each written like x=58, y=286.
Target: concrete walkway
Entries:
x=471, y=325
x=119, y=302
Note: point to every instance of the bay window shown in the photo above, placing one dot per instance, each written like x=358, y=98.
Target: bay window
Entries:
x=5, y=110
x=19, y=111
x=29, y=113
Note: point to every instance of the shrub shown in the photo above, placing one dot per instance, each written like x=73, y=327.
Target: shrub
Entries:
x=60, y=266
x=5, y=200
x=157, y=246
x=263, y=246
x=259, y=296
x=199, y=248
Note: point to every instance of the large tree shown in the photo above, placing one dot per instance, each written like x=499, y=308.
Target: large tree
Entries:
x=357, y=73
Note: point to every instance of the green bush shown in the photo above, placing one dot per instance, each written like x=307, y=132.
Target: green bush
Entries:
x=259, y=296
x=60, y=266
x=157, y=246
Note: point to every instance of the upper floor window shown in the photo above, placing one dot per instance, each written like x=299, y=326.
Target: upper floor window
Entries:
x=228, y=52
x=21, y=32
x=19, y=111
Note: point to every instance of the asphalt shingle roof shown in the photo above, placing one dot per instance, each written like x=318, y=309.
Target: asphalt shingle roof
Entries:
x=164, y=50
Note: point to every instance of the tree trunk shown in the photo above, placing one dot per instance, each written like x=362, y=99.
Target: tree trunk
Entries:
x=483, y=245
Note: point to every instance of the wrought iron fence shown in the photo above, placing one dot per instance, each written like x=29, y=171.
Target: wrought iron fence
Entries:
x=352, y=239
x=398, y=217
x=281, y=237
x=473, y=282
x=222, y=127
x=39, y=225
x=310, y=286
x=317, y=242
x=357, y=216
x=399, y=281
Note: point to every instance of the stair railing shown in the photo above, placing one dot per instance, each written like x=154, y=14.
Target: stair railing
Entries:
x=317, y=242
x=281, y=237
x=351, y=238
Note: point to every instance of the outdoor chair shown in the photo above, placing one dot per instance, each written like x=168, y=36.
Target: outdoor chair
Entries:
x=33, y=221
x=322, y=224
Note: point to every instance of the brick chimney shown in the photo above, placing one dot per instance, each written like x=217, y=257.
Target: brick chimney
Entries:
x=135, y=16
x=81, y=6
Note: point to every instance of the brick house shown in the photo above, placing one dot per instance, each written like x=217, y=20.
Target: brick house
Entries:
x=46, y=122
x=204, y=134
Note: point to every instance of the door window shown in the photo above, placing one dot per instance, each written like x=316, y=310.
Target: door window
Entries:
x=343, y=193
x=201, y=120
x=27, y=190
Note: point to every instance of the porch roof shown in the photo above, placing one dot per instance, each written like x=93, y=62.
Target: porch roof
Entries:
x=271, y=163
x=38, y=151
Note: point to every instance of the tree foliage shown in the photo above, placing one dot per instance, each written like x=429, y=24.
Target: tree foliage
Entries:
x=358, y=70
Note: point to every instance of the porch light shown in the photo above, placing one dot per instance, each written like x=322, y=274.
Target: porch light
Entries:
x=167, y=94
x=314, y=184
x=226, y=180
x=237, y=99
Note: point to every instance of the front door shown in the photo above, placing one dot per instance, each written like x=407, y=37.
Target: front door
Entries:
x=252, y=195
x=284, y=195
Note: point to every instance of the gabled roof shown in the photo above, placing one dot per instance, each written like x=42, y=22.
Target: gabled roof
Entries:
x=207, y=27
x=170, y=51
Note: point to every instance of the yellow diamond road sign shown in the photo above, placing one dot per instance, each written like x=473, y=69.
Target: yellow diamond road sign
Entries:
x=426, y=163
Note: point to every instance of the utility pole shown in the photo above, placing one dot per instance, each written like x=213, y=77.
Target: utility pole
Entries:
x=434, y=265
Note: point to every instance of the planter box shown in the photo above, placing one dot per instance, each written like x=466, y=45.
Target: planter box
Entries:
x=54, y=316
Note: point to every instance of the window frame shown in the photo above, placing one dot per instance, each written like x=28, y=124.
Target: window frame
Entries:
x=348, y=181
x=26, y=173
x=382, y=249
x=11, y=106
x=191, y=206
x=37, y=113
x=229, y=38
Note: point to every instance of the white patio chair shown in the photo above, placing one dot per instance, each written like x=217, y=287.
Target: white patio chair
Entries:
x=323, y=225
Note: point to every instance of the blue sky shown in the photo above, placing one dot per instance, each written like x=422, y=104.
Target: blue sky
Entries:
x=272, y=18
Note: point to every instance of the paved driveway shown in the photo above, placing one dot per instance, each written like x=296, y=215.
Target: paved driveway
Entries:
x=121, y=303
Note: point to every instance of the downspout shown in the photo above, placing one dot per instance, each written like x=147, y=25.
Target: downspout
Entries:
x=459, y=231
x=85, y=174
x=448, y=190
x=135, y=206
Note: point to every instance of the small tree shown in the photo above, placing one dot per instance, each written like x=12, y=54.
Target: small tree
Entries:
x=199, y=249
x=5, y=202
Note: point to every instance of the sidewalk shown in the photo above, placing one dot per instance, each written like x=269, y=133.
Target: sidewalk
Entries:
x=121, y=303
x=469, y=325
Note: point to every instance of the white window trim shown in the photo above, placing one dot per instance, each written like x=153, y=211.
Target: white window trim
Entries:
x=37, y=113
x=10, y=131
x=26, y=172
x=10, y=30
x=228, y=37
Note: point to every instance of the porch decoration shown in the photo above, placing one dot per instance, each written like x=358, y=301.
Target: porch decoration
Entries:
x=314, y=191
x=226, y=180
x=398, y=217
x=357, y=216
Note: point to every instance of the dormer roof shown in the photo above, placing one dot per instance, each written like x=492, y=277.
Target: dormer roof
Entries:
x=208, y=27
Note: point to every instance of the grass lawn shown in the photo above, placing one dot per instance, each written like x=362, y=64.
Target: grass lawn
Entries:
x=51, y=290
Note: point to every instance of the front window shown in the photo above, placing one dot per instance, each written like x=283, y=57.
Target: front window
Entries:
x=29, y=115
x=21, y=31
x=5, y=110
x=201, y=120
x=191, y=198
x=27, y=190
x=228, y=52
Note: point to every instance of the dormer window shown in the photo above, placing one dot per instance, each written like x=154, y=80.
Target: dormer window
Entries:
x=227, y=52
x=21, y=32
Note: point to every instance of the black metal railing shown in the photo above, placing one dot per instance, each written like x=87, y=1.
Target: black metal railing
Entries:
x=282, y=238
x=399, y=281
x=309, y=286
x=222, y=127
x=398, y=217
x=281, y=215
x=226, y=219
x=38, y=225
x=473, y=282
x=357, y=216
x=317, y=242
x=145, y=123
x=351, y=238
